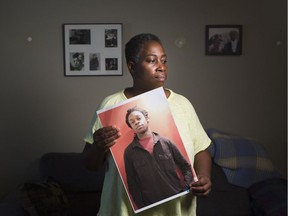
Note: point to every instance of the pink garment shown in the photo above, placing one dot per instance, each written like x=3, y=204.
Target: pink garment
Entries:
x=148, y=144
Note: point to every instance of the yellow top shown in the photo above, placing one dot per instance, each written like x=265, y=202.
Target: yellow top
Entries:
x=114, y=200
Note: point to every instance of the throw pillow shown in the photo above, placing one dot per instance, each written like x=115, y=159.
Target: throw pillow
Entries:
x=44, y=199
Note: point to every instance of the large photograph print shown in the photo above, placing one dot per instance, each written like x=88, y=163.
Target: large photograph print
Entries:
x=149, y=155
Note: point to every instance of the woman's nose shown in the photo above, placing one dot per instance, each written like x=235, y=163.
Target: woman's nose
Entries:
x=161, y=66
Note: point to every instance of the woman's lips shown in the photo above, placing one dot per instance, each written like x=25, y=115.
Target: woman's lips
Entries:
x=161, y=77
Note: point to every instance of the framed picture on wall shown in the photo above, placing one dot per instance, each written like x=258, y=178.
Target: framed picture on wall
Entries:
x=223, y=40
x=92, y=49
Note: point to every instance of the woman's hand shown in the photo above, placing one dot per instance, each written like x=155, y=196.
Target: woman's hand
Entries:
x=202, y=165
x=202, y=187
x=95, y=154
x=106, y=137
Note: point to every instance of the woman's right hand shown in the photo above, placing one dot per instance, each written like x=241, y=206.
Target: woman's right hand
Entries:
x=106, y=137
x=95, y=154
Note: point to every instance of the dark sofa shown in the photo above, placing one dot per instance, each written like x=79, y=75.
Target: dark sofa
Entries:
x=224, y=199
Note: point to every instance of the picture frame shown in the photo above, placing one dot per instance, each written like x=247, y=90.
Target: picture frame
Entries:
x=223, y=40
x=92, y=49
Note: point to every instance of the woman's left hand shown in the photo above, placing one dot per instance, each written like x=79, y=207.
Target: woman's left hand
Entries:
x=202, y=187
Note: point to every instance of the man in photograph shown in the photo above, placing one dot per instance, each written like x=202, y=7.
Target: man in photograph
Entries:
x=94, y=61
x=77, y=61
x=151, y=163
x=111, y=38
x=232, y=46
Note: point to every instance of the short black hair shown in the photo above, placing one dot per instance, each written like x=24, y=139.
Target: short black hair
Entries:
x=129, y=111
x=136, y=43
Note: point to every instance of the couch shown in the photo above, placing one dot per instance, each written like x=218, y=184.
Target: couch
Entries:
x=66, y=188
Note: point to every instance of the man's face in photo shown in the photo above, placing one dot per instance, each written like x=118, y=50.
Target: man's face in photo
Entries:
x=138, y=122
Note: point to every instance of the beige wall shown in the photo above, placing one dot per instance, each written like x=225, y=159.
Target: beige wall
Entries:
x=43, y=111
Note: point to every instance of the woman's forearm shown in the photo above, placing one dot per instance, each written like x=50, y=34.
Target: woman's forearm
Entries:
x=203, y=163
x=94, y=157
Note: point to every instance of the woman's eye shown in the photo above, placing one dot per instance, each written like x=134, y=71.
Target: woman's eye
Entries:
x=164, y=61
x=154, y=61
x=151, y=60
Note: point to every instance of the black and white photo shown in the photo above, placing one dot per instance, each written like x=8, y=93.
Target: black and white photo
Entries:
x=92, y=49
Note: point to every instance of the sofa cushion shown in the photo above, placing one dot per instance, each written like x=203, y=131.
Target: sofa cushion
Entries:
x=224, y=199
x=269, y=197
x=68, y=169
x=243, y=160
x=44, y=199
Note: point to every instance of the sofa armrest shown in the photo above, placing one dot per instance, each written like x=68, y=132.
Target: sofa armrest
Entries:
x=69, y=171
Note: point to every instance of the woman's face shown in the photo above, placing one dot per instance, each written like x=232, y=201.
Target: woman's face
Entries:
x=150, y=71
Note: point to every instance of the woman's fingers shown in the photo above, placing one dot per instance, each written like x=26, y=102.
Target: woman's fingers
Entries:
x=106, y=137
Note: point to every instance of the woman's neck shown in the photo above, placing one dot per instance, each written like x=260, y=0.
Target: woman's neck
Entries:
x=132, y=92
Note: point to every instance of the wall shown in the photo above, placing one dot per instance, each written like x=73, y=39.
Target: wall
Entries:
x=43, y=111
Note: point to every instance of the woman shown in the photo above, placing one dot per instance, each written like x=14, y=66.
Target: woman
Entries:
x=147, y=64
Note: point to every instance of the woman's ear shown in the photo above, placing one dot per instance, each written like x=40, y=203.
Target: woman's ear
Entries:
x=131, y=66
